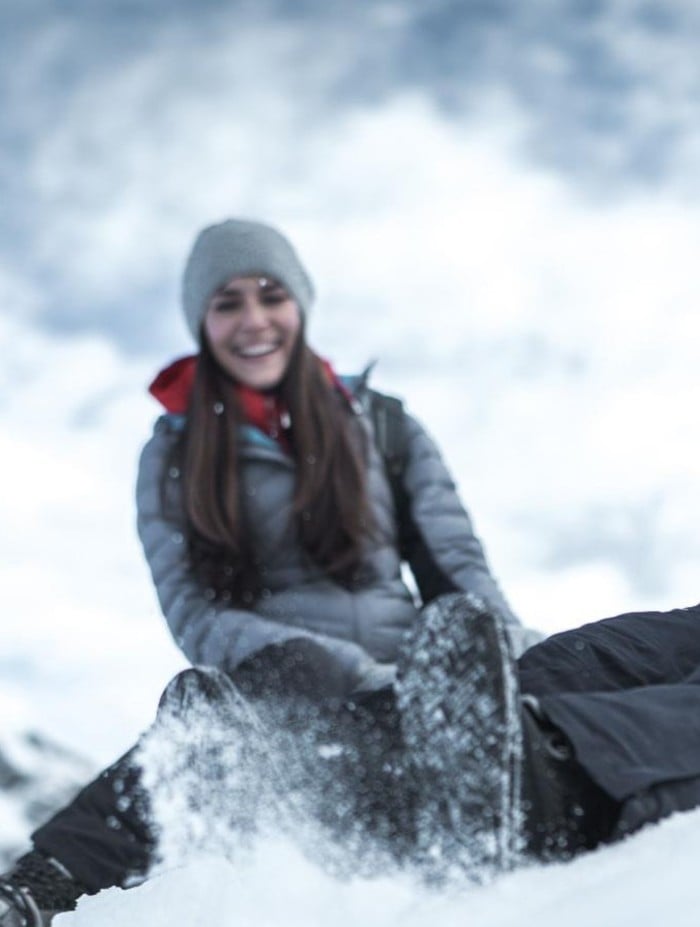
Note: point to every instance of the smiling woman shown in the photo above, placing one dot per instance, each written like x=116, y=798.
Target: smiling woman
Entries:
x=273, y=533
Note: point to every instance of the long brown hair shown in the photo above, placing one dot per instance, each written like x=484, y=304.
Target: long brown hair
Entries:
x=332, y=515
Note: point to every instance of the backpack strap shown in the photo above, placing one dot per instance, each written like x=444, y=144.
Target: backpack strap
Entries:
x=389, y=423
x=388, y=419
x=391, y=436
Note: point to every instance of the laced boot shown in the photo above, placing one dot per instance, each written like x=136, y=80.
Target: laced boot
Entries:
x=496, y=781
x=34, y=890
x=564, y=811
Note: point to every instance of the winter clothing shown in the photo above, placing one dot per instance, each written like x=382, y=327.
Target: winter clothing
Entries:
x=36, y=888
x=374, y=780
x=604, y=739
x=173, y=385
x=626, y=691
x=264, y=411
x=564, y=811
x=497, y=778
x=239, y=248
x=361, y=628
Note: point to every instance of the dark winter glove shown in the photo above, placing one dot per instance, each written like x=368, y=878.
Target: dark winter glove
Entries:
x=301, y=667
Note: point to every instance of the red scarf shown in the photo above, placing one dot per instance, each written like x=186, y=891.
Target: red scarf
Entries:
x=266, y=411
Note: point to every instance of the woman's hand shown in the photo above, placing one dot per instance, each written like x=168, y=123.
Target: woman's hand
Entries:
x=306, y=667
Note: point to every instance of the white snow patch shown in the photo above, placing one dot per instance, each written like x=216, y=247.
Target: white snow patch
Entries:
x=617, y=886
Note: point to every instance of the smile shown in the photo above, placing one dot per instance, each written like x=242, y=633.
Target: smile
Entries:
x=256, y=350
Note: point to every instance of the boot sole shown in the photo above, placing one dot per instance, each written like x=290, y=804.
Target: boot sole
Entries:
x=459, y=703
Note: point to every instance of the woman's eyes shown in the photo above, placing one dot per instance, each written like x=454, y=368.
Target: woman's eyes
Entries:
x=267, y=298
x=274, y=296
x=228, y=306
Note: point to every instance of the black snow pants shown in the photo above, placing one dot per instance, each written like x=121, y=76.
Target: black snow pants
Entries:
x=625, y=691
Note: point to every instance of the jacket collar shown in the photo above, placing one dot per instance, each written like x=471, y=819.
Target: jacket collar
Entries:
x=172, y=387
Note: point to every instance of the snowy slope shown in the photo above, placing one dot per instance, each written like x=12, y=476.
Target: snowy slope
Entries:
x=649, y=880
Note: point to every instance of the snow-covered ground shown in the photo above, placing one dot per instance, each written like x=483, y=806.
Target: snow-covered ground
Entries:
x=649, y=880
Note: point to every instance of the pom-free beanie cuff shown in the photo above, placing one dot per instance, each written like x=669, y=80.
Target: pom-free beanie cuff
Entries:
x=240, y=248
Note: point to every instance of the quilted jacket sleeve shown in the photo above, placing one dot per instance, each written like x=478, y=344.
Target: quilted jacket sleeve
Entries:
x=446, y=528
x=207, y=632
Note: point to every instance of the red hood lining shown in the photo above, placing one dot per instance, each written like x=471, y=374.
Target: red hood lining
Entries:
x=172, y=386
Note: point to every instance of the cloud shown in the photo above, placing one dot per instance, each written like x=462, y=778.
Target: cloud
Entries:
x=125, y=134
x=75, y=593
x=608, y=89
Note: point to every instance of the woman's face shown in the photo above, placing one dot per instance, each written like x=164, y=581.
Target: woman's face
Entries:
x=251, y=325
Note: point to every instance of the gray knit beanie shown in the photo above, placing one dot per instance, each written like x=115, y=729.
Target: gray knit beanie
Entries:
x=240, y=248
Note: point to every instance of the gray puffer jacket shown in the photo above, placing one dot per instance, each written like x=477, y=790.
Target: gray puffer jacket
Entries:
x=362, y=628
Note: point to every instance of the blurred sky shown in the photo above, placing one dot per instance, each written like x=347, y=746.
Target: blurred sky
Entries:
x=498, y=200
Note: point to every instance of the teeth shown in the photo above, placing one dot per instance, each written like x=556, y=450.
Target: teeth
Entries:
x=256, y=350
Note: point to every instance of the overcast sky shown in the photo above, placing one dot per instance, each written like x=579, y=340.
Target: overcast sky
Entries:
x=499, y=200
x=126, y=126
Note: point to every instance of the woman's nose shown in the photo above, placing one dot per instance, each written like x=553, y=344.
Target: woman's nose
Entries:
x=253, y=314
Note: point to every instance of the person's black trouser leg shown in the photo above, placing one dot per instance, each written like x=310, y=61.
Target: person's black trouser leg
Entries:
x=626, y=693
x=104, y=836
x=628, y=651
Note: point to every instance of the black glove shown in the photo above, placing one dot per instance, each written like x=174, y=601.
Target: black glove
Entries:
x=301, y=667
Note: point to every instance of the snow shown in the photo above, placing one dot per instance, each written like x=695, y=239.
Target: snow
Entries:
x=648, y=880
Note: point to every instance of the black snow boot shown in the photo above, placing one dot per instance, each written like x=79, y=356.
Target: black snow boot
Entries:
x=458, y=696
x=564, y=811
x=34, y=890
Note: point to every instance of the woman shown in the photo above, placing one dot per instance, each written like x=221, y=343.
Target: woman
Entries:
x=268, y=521
x=288, y=525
